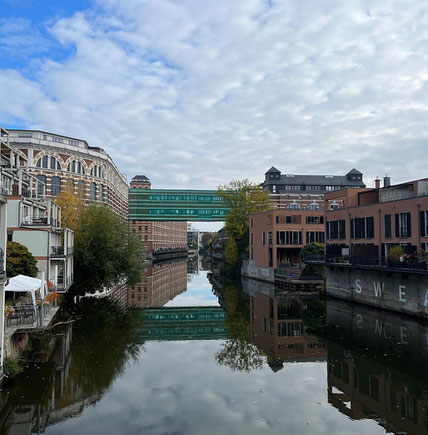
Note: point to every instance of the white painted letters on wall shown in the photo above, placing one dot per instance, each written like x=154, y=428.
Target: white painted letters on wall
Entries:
x=378, y=289
x=403, y=331
x=358, y=286
x=402, y=293
x=359, y=321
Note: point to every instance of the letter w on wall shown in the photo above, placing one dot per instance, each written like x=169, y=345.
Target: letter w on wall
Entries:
x=378, y=288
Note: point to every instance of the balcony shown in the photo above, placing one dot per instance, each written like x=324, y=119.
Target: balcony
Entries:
x=57, y=251
x=28, y=220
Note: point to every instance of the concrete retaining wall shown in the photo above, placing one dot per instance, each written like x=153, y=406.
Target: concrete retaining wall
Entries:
x=401, y=292
x=250, y=270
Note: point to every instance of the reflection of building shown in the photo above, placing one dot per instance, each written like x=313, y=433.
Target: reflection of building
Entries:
x=384, y=375
x=277, y=328
x=63, y=162
x=160, y=283
x=193, y=265
x=277, y=236
x=306, y=191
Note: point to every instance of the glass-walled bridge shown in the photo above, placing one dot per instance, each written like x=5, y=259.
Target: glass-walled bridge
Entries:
x=176, y=205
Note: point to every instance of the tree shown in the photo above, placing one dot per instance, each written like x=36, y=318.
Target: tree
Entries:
x=312, y=248
x=72, y=208
x=105, y=251
x=307, y=251
x=19, y=260
x=231, y=253
x=242, y=198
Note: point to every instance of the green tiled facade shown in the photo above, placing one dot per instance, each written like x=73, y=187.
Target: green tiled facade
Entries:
x=177, y=205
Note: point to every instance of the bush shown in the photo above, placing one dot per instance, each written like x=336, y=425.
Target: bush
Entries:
x=19, y=260
x=11, y=366
x=395, y=253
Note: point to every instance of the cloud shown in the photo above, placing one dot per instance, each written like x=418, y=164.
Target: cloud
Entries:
x=199, y=93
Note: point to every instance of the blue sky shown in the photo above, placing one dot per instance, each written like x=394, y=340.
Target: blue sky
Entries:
x=194, y=94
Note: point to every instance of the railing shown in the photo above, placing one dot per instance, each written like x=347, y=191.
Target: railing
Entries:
x=28, y=220
x=57, y=250
x=369, y=261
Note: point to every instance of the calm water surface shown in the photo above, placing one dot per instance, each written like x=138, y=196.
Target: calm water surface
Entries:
x=232, y=361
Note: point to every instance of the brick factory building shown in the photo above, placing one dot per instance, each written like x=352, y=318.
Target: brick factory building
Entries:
x=277, y=236
x=62, y=162
x=158, y=236
x=367, y=222
x=306, y=192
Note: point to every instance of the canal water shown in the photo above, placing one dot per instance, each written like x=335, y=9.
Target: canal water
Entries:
x=225, y=357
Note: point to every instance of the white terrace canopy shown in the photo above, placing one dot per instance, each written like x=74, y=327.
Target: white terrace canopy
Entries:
x=22, y=283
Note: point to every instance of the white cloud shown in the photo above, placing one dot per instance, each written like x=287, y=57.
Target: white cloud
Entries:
x=202, y=92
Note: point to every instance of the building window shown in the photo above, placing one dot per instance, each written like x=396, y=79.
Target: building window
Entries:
x=314, y=206
x=139, y=228
x=293, y=206
x=424, y=222
x=277, y=219
x=77, y=167
x=263, y=238
x=41, y=187
x=139, y=289
x=403, y=225
x=70, y=185
x=388, y=226
x=269, y=238
x=314, y=219
x=55, y=163
x=146, y=237
x=55, y=185
x=362, y=228
x=145, y=228
x=101, y=192
x=288, y=219
x=81, y=189
x=92, y=191
x=251, y=222
x=251, y=238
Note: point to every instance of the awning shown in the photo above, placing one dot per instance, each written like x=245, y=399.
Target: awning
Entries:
x=22, y=283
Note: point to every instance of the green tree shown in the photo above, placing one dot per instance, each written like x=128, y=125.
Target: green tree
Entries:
x=19, y=260
x=231, y=255
x=309, y=249
x=242, y=198
x=312, y=248
x=105, y=251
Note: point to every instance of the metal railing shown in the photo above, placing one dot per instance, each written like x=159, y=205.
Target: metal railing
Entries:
x=369, y=261
x=57, y=250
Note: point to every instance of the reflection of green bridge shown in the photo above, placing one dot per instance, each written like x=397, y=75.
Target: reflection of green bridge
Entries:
x=176, y=205
x=183, y=323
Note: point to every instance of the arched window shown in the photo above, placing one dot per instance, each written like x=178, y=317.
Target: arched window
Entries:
x=76, y=166
x=55, y=163
x=55, y=185
x=42, y=162
x=70, y=185
x=293, y=206
x=41, y=187
x=92, y=191
x=314, y=206
x=101, y=192
x=81, y=189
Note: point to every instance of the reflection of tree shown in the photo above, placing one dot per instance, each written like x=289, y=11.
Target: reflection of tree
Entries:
x=104, y=340
x=238, y=352
x=314, y=316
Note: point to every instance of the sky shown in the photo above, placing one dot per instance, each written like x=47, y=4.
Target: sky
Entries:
x=194, y=93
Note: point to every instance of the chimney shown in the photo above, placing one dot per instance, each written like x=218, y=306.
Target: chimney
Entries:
x=386, y=181
x=377, y=183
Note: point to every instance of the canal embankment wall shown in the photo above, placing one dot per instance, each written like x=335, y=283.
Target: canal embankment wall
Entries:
x=402, y=292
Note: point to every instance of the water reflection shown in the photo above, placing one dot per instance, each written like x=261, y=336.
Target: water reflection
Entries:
x=227, y=359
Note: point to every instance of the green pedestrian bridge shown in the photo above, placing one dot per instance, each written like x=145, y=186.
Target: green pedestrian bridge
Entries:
x=176, y=205
x=183, y=323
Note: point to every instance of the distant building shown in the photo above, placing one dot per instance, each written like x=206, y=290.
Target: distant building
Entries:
x=63, y=162
x=192, y=237
x=306, y=191
x=368, y=222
